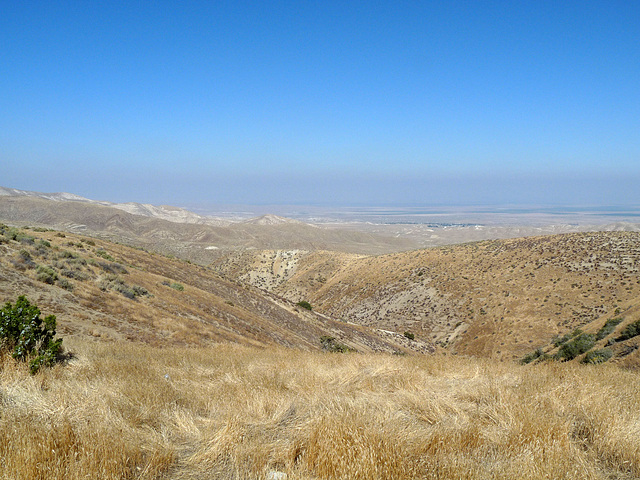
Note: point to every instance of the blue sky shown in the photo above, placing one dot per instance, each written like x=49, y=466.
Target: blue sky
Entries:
x=213, y=102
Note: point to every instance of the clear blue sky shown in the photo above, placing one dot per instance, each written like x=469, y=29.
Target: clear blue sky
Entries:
x=323, y=102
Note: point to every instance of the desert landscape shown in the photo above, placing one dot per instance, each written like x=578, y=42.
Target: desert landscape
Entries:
x=501, y=358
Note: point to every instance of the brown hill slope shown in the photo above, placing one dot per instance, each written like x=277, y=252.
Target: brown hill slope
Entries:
x=498, y=298
x=111, y=291
x=197, y=242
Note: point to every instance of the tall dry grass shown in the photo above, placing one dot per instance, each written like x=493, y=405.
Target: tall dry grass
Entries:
x=122, y=410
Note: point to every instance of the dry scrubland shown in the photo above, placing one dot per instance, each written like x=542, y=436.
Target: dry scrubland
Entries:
x=121, y=410
x=498, y=298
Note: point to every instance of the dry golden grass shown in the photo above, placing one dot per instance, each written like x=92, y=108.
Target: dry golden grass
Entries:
x=122, y=410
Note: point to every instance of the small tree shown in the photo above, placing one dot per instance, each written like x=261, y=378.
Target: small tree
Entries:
x=28, y=336
x=304, y=304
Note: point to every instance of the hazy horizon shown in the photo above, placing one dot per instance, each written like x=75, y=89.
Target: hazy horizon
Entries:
x=416, y=103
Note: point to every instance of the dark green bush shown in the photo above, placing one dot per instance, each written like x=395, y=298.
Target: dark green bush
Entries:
x=29, y=337
x=630, y=331
x=410, y=335
x=608, y=327
x=530, y=357
x=304, y=304
x=580, y=344
x=598, y=356
x=331, y=345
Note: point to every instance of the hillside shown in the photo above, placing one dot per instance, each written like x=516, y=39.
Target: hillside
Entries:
x=112, y=292
x=143, y=226
x=499, y=298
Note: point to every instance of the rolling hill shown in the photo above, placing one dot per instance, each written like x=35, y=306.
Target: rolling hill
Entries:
x=113, y=292
x=498, y=298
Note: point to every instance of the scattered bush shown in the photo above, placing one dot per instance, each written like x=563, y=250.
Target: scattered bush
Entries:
x=580, y=344
x=598, y=356
x=304, y=304
x=64, y=283
x=28, y=336
x=630, y=331
x=410, y=335
x=46, y=275
x=608, y=327
x=114, y=282
x=140, y=291
x=44, y=243
x=177, y=286
x=75, y=274
x=530, y=357
x=103, y=253
x=331, y=345
x=114, y=268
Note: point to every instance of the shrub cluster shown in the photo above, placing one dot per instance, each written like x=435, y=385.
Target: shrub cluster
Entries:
x=598, y=356
x=331, y=345
x=530, y=357
x=580, y=344
x=114, y=282
x=608, y=327
x=28, y=336
x=630, y=331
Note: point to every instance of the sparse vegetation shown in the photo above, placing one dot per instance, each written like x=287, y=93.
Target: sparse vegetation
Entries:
x=27, y=336
x=580, y=344
x=608, y=327
x=304, y=304
x=104, y=254
x=630, y=331
x=46, y=274
x=175, y=285
x=409, y=335
x=598, y=356
x=117, y=284
x=530, y=357
x=330, y=344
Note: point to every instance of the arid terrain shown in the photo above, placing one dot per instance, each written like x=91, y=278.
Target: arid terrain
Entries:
x=272, y=356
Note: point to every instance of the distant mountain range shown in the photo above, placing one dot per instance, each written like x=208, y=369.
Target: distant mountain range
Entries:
x=180, y=232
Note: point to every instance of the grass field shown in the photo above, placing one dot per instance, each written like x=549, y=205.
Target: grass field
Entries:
x=122, y=410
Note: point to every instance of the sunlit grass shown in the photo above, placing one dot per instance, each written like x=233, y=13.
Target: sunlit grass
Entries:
x=122, y=410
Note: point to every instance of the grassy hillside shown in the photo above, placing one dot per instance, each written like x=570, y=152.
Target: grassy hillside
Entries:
x=499, y=298
x=121, y=410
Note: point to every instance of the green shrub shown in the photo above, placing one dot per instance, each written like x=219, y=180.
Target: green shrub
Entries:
x=64, y=283
x=580, y=344
x=46, y=274
x=331, y=345
x=608, y=327
x=598, y=356
x=103, y=253
x=530, y=357
x=28, y=336
x=305, y=304
x=140, y=291
x=177, y=286
x=410, y=335
x=630, y=331
x=114, y=282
